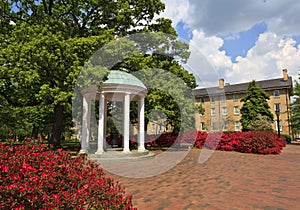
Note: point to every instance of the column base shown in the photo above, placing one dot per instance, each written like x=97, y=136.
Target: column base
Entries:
x=142, y=150
x=126, y=152
x=99, y=152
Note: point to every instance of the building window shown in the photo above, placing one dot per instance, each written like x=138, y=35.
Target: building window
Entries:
x=235, y=97
x=277, y=106
x=212, y=99
x=236, y=110
x=237, y=126
x=153, y=127
x=202, y=100
x=212, y=111
x=225, y=126
x=203, y=128
x=276, y=93
x=224, y=111
x=280, y=125
x=223, y=98
x=213, y=126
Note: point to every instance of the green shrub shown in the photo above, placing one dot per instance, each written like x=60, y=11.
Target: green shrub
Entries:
x=288, y=138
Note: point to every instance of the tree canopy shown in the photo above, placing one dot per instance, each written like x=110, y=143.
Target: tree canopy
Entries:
x=255, y=109
x=45, y=44
x=295, y=109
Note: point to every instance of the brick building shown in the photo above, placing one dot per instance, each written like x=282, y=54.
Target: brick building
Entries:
x=222, y=104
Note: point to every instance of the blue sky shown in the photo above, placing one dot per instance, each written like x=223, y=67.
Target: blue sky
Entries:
x=238, y=40
x=243, y=41
x=234, y=44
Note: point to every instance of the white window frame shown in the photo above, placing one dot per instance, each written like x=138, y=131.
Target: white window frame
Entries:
x=225, y=126
x=213, y=126
x=212, y=99
x=237, y=126
x=203, y=128
x=224, y=111
x=235, y=97
x=276, y=107
x=236, y=110
x=276, y=93
x=153, y=127
x=212, y=111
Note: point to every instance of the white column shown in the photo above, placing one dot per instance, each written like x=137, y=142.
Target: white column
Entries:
x=85, y=134
x=141, y=132
x=126, y=122
x=101, y=126
x=105, y=125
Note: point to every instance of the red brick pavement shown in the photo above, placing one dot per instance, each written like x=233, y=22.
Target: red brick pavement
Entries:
x=228, y=180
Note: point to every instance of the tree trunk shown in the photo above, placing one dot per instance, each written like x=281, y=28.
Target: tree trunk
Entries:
x=146, y=124
x=57, y=126
x=34, y=133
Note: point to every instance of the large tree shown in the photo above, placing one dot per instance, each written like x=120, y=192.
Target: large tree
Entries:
x=295, y=109
x=44, y=45
x=255, y=108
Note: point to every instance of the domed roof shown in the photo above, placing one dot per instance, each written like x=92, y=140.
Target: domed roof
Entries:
x=123, y=78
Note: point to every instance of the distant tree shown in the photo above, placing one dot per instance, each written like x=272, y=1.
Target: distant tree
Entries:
x=295, y=109
x=255, y=110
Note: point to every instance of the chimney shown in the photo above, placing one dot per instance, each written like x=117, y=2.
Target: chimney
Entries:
x=221, y=83
x=285, y=74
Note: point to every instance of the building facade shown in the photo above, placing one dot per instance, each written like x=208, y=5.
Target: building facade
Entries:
x=222, y=104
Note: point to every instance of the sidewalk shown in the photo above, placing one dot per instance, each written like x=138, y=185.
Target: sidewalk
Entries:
x=228, y=180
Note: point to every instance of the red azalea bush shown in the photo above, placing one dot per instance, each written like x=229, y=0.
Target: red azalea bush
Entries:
x=259, y=142
x=32, y=177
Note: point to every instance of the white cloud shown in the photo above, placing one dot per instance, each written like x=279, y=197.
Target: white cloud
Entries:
x=208, y=19
x=207, y=61
x=217, y=17
x=266, y=59
x=176, y=10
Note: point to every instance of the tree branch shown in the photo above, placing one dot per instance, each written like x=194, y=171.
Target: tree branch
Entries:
x=45, y=6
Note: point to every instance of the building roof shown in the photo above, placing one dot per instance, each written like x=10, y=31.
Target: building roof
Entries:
x=271, y=84
x=123, y=78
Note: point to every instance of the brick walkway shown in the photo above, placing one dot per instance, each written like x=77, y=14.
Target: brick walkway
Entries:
x=228, y=180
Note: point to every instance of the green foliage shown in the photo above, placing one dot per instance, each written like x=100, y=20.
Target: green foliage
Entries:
x=45, y=44
x=295, y=109
x=255, y=108
x=170, y=93
x=201, y=110
x=288, y=138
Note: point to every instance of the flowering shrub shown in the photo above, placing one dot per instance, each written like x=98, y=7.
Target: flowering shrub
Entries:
x=32, y=177
x=259, y=142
